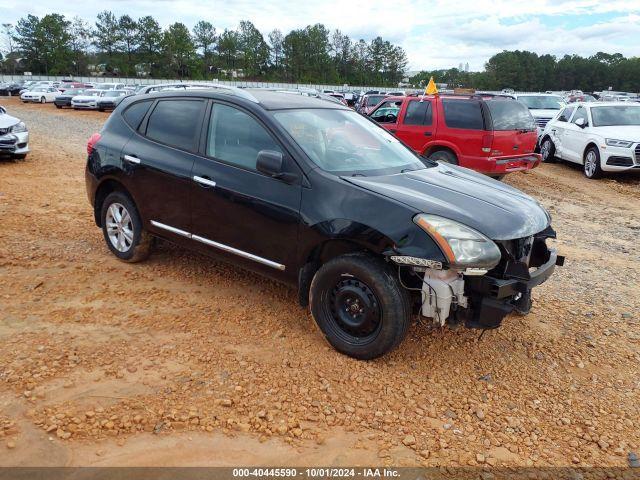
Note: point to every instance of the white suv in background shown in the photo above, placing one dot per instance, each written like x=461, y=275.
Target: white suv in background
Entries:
x=603, y=137
x=542, y=106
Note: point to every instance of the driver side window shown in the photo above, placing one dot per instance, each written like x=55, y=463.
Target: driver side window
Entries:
x=566, y=114
x=580, y=113
x=235, y=137
x=387, y=112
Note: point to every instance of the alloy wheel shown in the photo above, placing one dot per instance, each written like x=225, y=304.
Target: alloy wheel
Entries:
x=119, y=227
x=590, y=163
x=545, y=149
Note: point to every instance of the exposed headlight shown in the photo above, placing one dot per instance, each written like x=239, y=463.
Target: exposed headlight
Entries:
x=19, y=128
x=461, y=245
x=612, y=142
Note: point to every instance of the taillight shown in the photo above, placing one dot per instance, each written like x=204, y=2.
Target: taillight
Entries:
x=487, y=140
x=91, y=144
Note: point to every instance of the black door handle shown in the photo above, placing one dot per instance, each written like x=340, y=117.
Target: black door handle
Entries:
x=393, y=130
x=427, y=134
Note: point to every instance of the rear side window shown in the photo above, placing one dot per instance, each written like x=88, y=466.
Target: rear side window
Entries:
x=418, y=113
x=176, y=123
x=510, y=115
x=134, y=114
x=463, y=114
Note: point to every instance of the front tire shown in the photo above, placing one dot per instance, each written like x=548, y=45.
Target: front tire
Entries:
x=43, y=100
x=360, y=306
x=122, y=228
x=548, y=150
x=591, y=165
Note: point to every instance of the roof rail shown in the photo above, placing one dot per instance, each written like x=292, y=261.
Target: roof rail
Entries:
x=227, y=88
x=235, y=90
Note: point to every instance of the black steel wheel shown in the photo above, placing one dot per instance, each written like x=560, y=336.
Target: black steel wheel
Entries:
x=360, y=306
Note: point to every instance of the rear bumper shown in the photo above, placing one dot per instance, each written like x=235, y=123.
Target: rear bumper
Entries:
x=503, y=164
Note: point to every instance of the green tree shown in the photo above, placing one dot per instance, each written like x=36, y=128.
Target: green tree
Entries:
x=149, y=43
x=80, y=35
x=129, y=39
x=204, y=38
x=254, y=49
x=228, y=49
x=107, y=37
x=179, y=49
x=275, y=39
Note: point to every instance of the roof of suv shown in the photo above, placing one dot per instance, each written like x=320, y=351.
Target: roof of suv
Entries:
x=267, y=99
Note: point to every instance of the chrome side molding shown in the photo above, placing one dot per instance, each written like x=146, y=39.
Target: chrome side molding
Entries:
x=220, y=246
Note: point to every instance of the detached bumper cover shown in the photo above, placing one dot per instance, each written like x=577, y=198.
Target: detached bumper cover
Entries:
x=494, y=297
x=499, y=288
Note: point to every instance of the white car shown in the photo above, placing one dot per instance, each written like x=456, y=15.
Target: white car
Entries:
x=108, y=86
x=542, y=106
x=14, y=137
x=603, y=137
x=40, y=94
x=88, y=100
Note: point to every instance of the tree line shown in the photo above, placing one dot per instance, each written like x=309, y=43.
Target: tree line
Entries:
x=528, y=71
x=124, y=46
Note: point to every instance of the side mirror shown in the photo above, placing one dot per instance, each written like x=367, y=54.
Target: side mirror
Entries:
x=269, y=162
x=581, y=122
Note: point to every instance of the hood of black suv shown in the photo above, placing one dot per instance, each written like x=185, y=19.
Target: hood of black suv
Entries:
x=493, y=208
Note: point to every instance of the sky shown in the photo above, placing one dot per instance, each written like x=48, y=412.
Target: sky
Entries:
x=435, y=33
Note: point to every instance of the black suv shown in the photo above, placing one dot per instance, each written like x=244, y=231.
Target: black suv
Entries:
x=317, y=196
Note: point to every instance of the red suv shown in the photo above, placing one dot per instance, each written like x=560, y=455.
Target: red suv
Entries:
x=490, y=135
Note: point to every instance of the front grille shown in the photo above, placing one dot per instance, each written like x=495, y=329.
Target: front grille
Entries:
x=542, y=121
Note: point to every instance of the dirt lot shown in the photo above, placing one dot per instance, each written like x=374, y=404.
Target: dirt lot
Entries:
x=186, y=361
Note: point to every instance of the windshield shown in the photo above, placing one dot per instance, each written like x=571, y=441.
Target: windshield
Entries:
x=615, y=115
x=510, y=115
x=73, y=91
x=345, y=143
x=113, y=93
x=374, y=99
x=541, y=102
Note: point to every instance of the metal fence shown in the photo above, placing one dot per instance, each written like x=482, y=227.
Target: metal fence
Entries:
x=234, y=83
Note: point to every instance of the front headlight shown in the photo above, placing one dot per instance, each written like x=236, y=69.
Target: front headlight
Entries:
x=462, y=246
x=19, y=128
x=612, y=142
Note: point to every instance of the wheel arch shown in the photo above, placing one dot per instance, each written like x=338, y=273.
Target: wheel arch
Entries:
x=589, y=145
x=107, y=186
x=438, y=146
x=321, y=253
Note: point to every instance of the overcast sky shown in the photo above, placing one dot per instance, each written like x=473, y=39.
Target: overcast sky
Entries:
x=435, y=34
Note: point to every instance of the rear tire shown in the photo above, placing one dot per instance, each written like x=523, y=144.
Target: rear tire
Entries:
x=591, y=164
x=360, y=306
x=548, y=150
x=445, y=156
x=58, y=106
x=122, y=228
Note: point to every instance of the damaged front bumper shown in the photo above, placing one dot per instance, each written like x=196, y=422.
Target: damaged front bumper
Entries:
x=483, y=300
x=493, y=298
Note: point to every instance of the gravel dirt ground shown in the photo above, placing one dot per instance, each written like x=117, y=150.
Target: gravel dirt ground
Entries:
x=183, y=360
